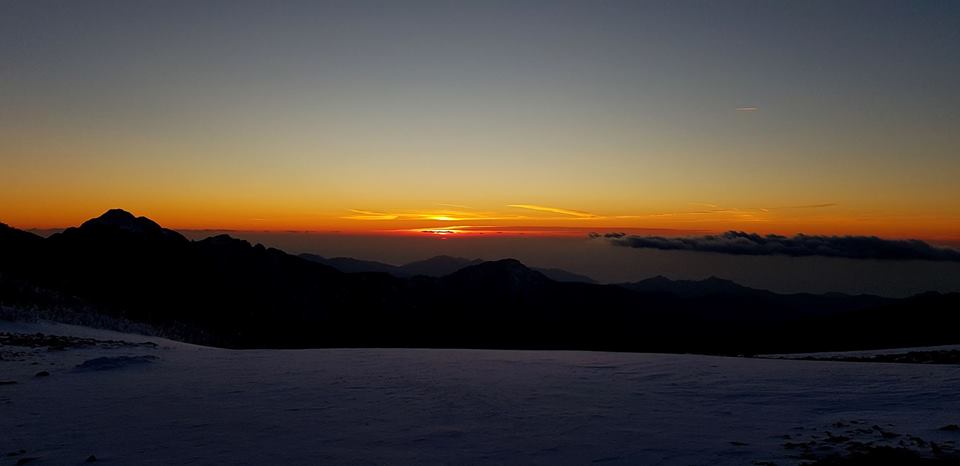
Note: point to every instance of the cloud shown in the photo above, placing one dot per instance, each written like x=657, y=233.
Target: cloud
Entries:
x=461, y=213
x=540, y=230
x=369, y=215
x=573, y=213
x=427, y=215
x=747, y=109
x=751, y=244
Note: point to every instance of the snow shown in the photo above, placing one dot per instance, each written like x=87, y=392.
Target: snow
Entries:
x=199, y=405
x=863, y=353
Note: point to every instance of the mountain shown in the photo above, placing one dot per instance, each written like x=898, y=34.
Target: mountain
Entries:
x=351, y=265
x=19, y=250
x=691, y=288
x=10, y=235
x=17, y=245
x=229, y=292
x=222, y=290
x=118, y=221
x=506, y=276
x=561, y=275
x=749, y=298
x=437, y=266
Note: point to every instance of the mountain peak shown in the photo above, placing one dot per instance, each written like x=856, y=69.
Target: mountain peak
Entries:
x=717, y=280
x=502, y=264
x=226, y=241
x=121, y=220
x=118, y=215
x=509, y=272
x=510, y=263
x=657, y=279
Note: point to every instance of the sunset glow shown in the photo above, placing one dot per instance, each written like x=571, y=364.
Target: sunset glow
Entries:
x=509, y=220
x=383, y=128
x=416, y=232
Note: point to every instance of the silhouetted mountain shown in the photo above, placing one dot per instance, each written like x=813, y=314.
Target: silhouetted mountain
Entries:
x=351, y=265
x=748, y=298
x=19, y=250
x=506, y=276
x=930, y=318
x=691, y=288
x=226, y=291
x=15, y=244
x=9, y=236
x=561, y=275
x=120, y=222
x=437, y=266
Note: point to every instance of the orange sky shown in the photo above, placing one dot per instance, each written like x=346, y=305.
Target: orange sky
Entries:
x=511, y=219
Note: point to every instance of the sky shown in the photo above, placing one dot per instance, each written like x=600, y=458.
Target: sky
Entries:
x=518, y=118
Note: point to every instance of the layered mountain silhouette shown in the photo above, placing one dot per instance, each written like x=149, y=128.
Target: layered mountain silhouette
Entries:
x=228, y=292
x=808, y=303
x=437, y=266
x=692, y=288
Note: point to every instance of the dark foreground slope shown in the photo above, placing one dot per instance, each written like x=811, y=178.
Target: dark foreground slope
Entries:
x=228, y=292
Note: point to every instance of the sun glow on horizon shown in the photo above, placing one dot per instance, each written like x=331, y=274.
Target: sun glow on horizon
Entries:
x=540, y=221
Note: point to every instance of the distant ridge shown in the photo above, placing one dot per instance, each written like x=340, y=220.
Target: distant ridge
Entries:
x=351, y=265
x=692, y=288
x=437, y=266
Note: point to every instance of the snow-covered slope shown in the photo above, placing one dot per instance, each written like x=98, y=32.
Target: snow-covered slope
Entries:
x=198, y=405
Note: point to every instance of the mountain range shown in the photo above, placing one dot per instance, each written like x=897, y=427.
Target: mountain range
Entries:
x=228, y=292
x=437, y=266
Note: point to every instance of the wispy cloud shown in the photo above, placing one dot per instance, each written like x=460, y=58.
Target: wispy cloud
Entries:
x=747, y=109
x=370, y=215
x=428, y=215
x=752, y=244
x=536, y=230
x=540, y=208
x=754, y=214
x=701, y=212
x=711, y=215
x=463, y=213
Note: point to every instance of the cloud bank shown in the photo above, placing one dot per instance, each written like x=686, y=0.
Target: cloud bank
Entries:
x=751, y=244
